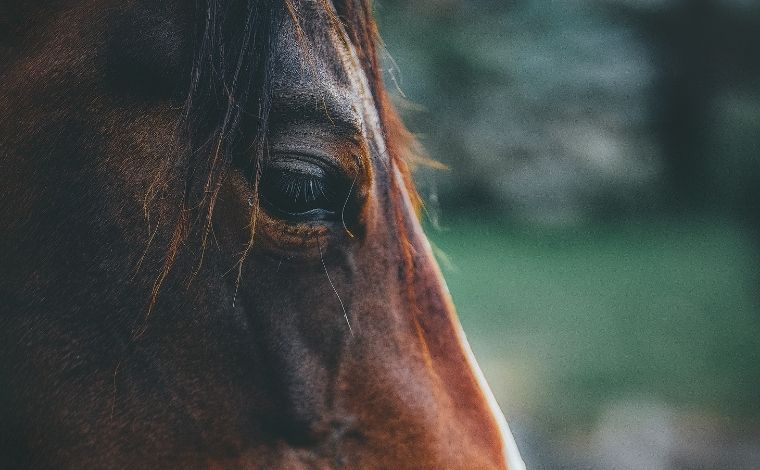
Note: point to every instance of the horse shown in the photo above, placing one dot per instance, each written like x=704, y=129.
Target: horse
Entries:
x=211, y=253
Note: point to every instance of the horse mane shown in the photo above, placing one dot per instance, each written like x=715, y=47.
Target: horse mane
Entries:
x=230, y=90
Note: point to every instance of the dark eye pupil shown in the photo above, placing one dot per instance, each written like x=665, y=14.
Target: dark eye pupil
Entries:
x=301, y=189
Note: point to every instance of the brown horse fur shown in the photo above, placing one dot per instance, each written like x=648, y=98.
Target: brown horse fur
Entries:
x=153, y=312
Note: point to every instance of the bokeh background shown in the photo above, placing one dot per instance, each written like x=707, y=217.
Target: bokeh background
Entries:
x=598, y=223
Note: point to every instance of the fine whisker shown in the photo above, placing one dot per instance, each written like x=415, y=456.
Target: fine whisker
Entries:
x=343, y=210
x=342, y=307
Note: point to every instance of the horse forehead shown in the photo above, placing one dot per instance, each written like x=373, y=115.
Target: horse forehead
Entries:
x=314, y=61
x=304, y=73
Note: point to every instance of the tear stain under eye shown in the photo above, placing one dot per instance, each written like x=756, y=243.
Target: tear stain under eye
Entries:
x=342, y=306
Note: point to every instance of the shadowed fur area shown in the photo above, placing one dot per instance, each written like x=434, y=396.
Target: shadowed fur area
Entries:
x=210, y=255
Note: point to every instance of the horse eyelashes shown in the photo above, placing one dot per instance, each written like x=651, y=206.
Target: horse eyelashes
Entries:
x=302, y=190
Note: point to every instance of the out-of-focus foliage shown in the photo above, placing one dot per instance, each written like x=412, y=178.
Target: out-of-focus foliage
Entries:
x=559, y=111
x=539, y=108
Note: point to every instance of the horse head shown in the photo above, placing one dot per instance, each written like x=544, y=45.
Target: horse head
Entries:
x=211, y=250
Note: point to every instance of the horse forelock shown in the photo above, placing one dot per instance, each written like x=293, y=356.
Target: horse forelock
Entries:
x=226, y=113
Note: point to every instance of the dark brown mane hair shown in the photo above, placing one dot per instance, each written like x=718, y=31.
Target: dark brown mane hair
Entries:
x=227, y=107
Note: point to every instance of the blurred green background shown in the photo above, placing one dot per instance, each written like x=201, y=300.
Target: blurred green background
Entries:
x=598, y=224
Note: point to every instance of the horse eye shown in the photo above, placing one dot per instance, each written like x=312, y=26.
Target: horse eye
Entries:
x=299, y=190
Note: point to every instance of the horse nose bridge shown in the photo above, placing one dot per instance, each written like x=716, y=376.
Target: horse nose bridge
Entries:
x=470, y=414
